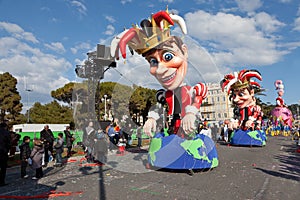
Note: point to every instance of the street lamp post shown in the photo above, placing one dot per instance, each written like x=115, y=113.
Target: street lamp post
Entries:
x=105, y=99
x=28, y=112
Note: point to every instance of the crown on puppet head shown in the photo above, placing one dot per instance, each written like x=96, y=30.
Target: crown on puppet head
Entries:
x=241, y=80
x=152, y=33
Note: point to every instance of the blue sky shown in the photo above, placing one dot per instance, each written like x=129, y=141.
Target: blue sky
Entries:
x=41, y=41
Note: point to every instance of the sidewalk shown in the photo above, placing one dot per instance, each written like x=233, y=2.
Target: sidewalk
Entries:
x=72, y=172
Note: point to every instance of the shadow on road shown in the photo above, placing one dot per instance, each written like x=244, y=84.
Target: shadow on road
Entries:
x=289, y=167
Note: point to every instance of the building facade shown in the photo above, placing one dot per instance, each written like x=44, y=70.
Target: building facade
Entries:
x=216, y=107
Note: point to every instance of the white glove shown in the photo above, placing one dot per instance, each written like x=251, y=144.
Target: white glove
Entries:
x=188, y=123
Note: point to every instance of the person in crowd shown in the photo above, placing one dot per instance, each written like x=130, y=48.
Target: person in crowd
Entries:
x=37, y=158
x=206, y=130
x=4, y=149
x=214, y=132
x=129, y=135
x=47, y=137
x=69, y=141
x=224, y=131
x=59, y=148
x=111, y=134
x=25, y=152
x=139, y=133
x=125, y=131
x=101, y=149
x=122, y=145
x=88, y=141
x=15, y=137
x=118, y=133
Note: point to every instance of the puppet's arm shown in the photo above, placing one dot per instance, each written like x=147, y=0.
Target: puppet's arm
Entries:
x=199, y=92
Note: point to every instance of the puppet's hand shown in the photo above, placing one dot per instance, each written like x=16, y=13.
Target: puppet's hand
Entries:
x=249, y=123
x=149, y=125
x=188, y=123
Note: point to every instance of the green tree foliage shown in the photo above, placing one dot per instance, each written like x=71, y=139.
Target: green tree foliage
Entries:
x=64, y=94
x=10, y=105
x=141, y=101
x=119, y=96
x=51, y=113
x=293, y=109
x=122, y=99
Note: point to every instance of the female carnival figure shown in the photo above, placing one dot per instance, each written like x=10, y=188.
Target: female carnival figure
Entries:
x=241, y=90
x=281, y=115
x=167, y=56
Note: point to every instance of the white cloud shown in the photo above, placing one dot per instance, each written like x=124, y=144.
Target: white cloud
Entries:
x=285, y=1
x=167, y=1
x=111, y=19
x=81, y=46
x=234, y=40
x=110, y=30
x=125, y=1
x=56, y=46
x=248, y=6
x=297, y=24
x=18, y=32
x=44, y=72
x=267, y=23
x=81, y=8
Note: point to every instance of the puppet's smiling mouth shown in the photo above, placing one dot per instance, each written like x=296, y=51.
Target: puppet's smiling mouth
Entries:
x=169, y=78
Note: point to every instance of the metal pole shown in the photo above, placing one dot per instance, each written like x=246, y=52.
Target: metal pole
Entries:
x=105, y=96
x=28, y=111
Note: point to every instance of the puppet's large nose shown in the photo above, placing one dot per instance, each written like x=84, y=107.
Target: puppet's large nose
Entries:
x=161, y=69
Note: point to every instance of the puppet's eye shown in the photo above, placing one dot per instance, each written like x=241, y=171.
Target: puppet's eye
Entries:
x=168, y=56
x=153, y=62
x=241, y=94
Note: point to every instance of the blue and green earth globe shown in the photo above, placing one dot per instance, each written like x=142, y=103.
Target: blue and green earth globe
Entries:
x=174, y=152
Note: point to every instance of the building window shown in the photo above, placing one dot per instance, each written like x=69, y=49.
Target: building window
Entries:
x=225, y=115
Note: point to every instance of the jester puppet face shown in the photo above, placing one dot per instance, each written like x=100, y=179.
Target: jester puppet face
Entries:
x=166, y=54
x=243, y=97
x=241, y=88
x=168, y=63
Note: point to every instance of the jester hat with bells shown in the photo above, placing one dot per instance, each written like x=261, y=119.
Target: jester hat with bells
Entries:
x=241, y=80
x=153, y=32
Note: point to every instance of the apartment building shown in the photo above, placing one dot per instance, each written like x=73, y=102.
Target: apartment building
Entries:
x=216, y=107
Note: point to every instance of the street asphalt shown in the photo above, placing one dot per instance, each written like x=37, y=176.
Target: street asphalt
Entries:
x=244, y=173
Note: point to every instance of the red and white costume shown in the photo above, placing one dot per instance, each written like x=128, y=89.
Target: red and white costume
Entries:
x=183, y=100
x=242, y=89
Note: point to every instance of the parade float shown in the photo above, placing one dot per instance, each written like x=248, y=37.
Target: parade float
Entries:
x=282, y=117
x=180, y=147
x=241, y=89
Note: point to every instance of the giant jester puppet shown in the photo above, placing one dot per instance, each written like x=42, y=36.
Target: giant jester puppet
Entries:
x=180, y=147
x=241, y=89
x=281, y=115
